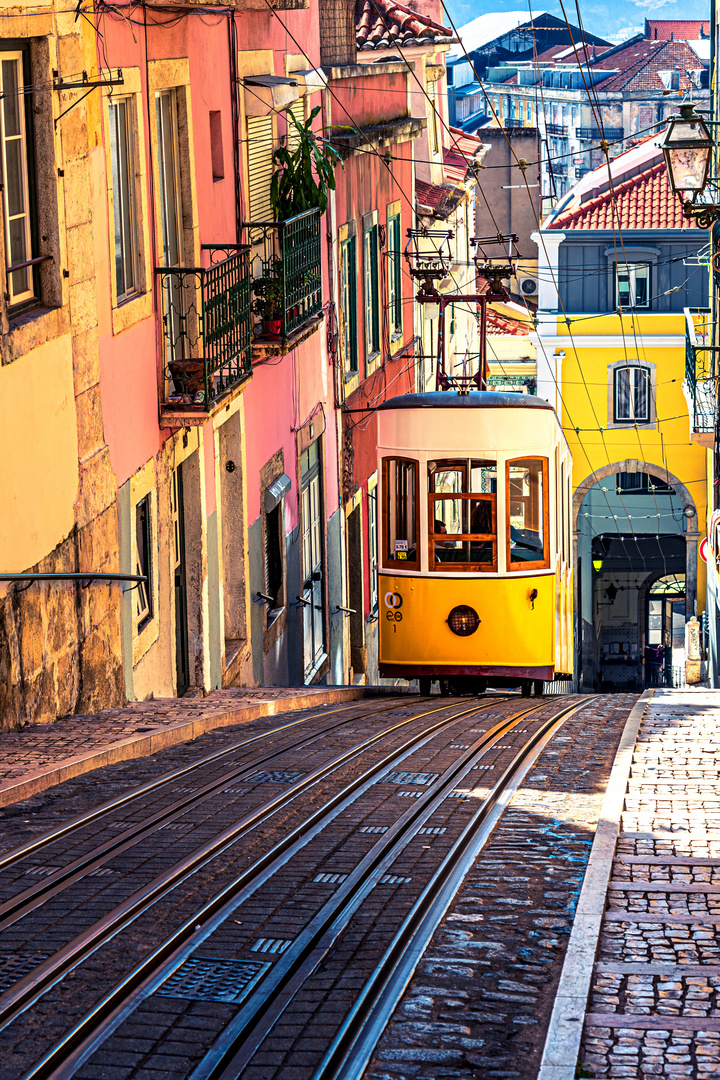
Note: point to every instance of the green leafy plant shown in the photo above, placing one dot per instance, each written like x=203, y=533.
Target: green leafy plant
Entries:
x=268, y=289
x=305, y=174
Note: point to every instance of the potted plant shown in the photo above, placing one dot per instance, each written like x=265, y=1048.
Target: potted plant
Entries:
x=304, y=175
x=268, y=302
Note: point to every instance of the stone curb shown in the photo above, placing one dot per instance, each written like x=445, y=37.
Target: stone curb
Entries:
x=564, y=1036
x=32, y=783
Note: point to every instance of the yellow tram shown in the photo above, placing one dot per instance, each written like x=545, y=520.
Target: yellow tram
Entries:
x=475, y=568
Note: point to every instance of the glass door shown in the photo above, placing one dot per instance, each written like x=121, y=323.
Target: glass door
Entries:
x=312, y=561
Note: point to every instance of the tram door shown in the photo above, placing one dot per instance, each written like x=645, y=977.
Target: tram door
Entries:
x=182, y=662
x=312, y=561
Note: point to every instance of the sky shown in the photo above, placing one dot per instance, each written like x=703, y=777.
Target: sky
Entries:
x=614, y=20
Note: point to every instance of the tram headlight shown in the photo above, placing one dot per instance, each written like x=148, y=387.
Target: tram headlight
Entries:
x=463, y=620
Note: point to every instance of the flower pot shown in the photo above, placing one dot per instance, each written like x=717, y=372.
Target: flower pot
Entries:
x=272, y=327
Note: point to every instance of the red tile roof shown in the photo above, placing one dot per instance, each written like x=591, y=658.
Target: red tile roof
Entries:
x=677, y=29
x=383, y=24
x=644, y=201
x=500, y=326
x=637, y=65
x=437, y=200
x=461, y=155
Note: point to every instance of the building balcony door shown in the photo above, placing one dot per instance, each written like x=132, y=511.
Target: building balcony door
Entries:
x=312, y=568
x=182, y=660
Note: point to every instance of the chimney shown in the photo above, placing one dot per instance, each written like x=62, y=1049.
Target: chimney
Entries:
x=337, y=33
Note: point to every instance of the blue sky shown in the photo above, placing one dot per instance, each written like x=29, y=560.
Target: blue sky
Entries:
x=615, y=20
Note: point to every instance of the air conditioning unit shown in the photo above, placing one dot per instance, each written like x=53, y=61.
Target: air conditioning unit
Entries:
x=528, y=286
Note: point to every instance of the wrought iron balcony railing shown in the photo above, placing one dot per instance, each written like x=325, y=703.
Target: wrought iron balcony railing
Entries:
x=286, y=276
x=701, y=368
x=207, y=323
x=556, y=129
x=593, y=134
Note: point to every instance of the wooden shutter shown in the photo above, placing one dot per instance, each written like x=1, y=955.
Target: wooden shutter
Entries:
x=298, y=111
x=260, y=167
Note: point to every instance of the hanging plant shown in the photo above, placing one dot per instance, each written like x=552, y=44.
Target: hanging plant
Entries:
x=304, y=175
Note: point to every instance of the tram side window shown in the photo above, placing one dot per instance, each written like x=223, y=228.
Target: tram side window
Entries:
x=400, y=524
x=527, y=511
x=462, y=515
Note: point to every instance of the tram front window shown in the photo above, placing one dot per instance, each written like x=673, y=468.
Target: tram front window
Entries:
x=526, y=507
x=400, y=532
x=461, y=515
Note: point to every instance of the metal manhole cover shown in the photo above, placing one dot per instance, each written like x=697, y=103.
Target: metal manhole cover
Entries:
x=408, y=778
x=201, y=979
x=15, y=966
x=273, y=777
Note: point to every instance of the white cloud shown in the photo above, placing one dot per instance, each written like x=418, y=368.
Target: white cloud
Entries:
x=625, y=34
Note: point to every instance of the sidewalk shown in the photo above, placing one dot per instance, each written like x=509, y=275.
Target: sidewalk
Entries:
x=645, y=947
x=42, y=755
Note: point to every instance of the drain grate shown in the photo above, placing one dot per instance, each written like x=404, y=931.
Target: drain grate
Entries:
x=479, y=768
x=459, y=746
x=409, y=794
x=101, y=871
x=329, y=879
x=178, y=826
x=374, y=828
x=201, y=979
x=458, y=795
x=272, y=776
x=15, y=966
x=271, y=944
x=120, y=824
x=431, y=832
x=408, y=778
x=393, y=879
x=41, y=871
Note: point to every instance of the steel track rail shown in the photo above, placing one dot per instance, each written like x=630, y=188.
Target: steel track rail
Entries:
x=30, y=899
x=354, y=1044
x=243, y=1036
x=82, y=1041
x=31, y=846
x=28, y=989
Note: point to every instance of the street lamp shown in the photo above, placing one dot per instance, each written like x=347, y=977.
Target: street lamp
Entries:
x=688, y=147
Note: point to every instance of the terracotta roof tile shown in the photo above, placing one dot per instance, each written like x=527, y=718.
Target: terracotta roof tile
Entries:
x=437, y=200
x=677, y=29
x=499, y=326
x=637, y=66
x=382, y=24
x=644, y=201
x=458, y=158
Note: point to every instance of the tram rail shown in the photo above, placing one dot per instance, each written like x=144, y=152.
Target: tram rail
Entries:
x=28, y=989
x=233, y=1050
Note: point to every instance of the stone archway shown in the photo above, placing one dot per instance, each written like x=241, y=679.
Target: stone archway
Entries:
x=692, y=536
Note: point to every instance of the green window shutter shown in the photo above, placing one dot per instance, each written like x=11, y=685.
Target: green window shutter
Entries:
x=260, y=167
x=348, y=257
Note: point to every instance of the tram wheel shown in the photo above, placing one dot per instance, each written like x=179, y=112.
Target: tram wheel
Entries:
x=480, y=686
x=539, y=687
x=425, y=684
x=526, y=687
x=444, y=687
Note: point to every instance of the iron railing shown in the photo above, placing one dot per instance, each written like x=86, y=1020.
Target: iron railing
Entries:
x=207, y=323
x=286, y=274
x=593, y=134
x=701, y=368
x=556, y=129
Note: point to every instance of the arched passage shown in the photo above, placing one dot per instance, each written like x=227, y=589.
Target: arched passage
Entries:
x=632, y=520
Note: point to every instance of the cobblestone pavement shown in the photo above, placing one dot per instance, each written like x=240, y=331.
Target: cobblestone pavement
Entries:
x=654, y=1006
x=32, y=755
x=480, y=1000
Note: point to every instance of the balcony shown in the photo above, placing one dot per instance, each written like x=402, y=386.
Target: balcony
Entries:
x=557, y=129
x=207, y=323
x=286, y=282
x=593, y=134
x=700, y=369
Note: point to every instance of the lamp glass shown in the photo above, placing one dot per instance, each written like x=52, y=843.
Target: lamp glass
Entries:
x=687, y=148
x=597, y=565
x=431, y=310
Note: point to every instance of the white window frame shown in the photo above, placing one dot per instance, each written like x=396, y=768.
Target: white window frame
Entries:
x=125, y=211
x=22, y=295
x=373, y=548
x=629, y=374
x=371, y=275
x=633, y=270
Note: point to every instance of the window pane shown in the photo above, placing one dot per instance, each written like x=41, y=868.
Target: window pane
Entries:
x=401, y=500
x=642, y=393
x=623, y=287
x=19, y=254
x=11, y=101
x=525, y=509
x=14, y=177
x=484, y=476
x=622, y=394
x=642, y=282
x=123, y=203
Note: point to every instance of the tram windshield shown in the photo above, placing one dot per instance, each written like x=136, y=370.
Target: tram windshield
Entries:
x=400, y=480
x=526, y=510
x=462, y=523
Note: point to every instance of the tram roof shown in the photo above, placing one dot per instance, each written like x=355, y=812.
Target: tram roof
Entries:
x=476, y=399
